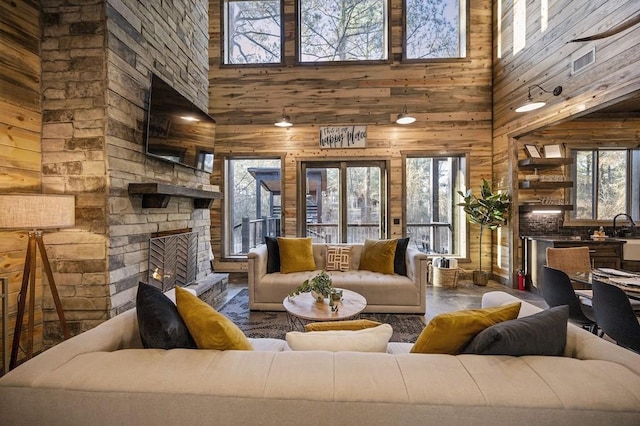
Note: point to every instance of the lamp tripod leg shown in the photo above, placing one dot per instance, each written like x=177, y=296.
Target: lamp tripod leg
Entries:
x=22, y=300
x=28, y=280
x=52, y=286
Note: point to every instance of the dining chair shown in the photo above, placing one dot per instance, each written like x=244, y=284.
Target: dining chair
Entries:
x=557, y=290
x=569, y=259
x=615, y=316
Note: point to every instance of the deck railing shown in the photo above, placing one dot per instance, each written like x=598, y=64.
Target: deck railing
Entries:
x=430, y=238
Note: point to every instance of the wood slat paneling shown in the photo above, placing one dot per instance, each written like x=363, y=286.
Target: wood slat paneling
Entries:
x=546, y=60
x=20, y=127
x=450, y=99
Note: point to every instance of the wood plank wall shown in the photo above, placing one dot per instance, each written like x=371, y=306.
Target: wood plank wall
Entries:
x=20, y=124
x=546, y=60
x=450, y=99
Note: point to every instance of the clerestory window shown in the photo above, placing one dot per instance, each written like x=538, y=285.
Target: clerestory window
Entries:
x=343, y=30
x=252, y=32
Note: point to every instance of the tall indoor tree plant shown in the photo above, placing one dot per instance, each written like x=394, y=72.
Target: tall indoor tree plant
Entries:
x=489, y=211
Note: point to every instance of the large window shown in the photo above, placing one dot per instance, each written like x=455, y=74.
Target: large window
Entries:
x=433, y=220
x=252, y=32
x=607, y=182
x=342, y=201
x=252, y=203
x=343, y=30
x=435, y=29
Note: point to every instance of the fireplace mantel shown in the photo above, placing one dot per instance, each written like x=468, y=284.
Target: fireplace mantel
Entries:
x=157, y=195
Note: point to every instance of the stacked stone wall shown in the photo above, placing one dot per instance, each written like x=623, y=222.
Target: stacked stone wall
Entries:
x=97, y=61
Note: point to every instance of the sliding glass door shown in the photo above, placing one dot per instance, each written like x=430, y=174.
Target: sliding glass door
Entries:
x=342, y=202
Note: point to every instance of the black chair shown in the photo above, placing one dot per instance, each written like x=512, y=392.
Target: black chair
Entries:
x=615, y=315
x=557, y=291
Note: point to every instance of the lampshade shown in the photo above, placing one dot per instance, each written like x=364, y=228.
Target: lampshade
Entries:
x=530, y=105
x=405, y=118
x=284, y=121
x=36, y=211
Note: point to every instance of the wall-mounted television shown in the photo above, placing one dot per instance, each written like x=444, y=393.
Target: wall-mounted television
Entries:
x=177, y=130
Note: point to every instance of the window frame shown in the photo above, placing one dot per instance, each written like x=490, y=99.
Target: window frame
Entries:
x=223, y=40
x=387, y=32
x=570, y=219
x=463, y=238
x=306, y=163
x=467, y=39
x=226, y=239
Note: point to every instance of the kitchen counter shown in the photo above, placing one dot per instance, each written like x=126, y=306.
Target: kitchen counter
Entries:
x=576, y=240
x=605, y=253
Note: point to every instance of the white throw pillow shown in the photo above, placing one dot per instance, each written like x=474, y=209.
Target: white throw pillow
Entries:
x=373, y=339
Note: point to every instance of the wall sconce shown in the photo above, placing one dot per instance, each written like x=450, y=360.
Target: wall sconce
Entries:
x=404, y=117
x=35, y=212
x=530, y=105
x=285, y=121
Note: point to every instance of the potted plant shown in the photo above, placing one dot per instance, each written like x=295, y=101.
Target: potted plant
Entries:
x=488, y=211
x=319, y=286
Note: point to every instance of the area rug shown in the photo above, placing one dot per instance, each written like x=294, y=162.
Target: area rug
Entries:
x=406, y=327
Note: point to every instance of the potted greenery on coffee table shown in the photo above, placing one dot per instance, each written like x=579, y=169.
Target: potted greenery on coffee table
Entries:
x=489, y=210
x=319, y=286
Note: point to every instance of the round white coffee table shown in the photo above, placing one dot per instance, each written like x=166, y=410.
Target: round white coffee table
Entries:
x=304, y=308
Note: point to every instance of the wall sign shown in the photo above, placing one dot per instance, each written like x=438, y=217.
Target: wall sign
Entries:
x=343, y=137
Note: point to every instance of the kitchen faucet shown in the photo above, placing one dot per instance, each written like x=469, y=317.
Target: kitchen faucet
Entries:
x=633, y=224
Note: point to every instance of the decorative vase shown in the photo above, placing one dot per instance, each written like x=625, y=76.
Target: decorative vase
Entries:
x=318, y=296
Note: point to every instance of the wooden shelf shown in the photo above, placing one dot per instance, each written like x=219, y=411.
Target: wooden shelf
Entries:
x=544, y=207
x=157, y=195
x=543, y=163
x=526, y=184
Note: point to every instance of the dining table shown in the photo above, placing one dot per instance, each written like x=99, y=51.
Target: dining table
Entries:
x=629, y=282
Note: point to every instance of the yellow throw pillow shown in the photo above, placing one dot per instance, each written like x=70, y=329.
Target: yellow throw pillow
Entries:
x=209, y=328
x=296, y=255
x=341, y=325
x=450, y=332
x=378, y=256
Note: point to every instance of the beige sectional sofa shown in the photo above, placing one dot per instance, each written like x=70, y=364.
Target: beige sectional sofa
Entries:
x=384, y=293
x=103, y=377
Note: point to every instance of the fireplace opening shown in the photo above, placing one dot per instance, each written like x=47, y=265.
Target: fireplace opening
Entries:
x=173, y=260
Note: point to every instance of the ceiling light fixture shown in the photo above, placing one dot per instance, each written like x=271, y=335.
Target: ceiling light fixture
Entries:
x=530, y=105
x=404, y=117
x=285, y=121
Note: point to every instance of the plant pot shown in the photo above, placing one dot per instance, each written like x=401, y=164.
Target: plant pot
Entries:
x=318, y=296
x=480, y=278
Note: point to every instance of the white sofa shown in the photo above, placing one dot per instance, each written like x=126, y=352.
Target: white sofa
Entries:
x=384, y=293
x=103, y=377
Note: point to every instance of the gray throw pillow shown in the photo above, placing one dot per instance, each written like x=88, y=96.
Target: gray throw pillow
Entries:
x=159, y=322
x=544, y=333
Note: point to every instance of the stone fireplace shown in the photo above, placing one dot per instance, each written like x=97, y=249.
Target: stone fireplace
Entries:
x=97, y=60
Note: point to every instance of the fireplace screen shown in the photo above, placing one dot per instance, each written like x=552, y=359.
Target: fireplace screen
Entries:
x=173, y=260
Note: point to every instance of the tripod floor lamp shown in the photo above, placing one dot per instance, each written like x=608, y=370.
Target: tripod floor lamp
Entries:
x=35, y=212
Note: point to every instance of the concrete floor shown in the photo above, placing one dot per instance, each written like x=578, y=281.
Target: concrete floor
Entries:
x=465, y=295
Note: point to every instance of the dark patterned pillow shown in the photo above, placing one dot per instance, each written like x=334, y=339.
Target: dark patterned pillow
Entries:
x=159, y=322
x=544, y=333
x=273, y=255
x=399, y=262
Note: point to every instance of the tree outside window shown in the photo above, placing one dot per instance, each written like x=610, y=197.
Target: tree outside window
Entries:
x=433, y=220
x=605, y=184
x=252, y=32
x=343, y=30
x=435, y=29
